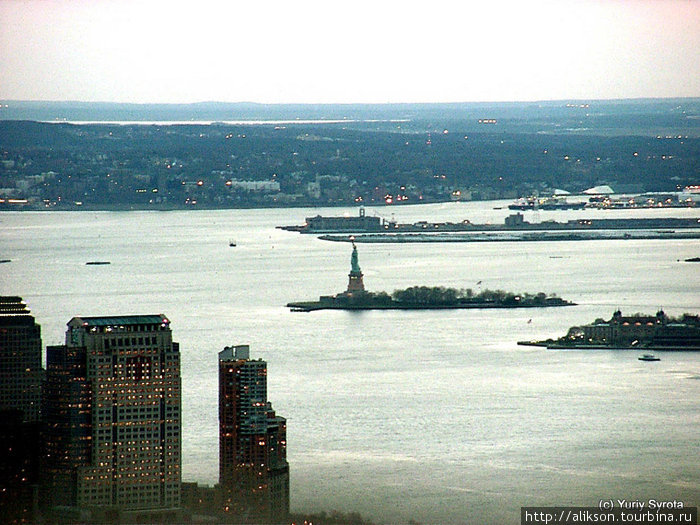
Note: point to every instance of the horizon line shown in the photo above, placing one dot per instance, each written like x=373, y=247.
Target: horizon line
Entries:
x=248, y=102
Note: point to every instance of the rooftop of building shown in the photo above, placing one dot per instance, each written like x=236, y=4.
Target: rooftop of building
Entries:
x=660, y=319
x=14, y=312
x=12, y=305
x=235, y=353
x=122, y=320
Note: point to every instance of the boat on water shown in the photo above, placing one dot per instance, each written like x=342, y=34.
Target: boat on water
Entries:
x=232, y=243
x=90, y=263
x=649, y=357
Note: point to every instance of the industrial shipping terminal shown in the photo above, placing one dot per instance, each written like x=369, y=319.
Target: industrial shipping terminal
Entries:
x=363, y=228
x=515, y=222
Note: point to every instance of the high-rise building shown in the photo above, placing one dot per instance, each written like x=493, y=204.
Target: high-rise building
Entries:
x=112, y=412
x=20, y=452
x=253, y=468
x=21, y=376
x=20, y=359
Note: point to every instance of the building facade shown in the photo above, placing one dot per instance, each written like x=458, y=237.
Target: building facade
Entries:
x=361, y=223
x=113, y=417
x=21, y=374
x=253, y=468
x=658, y=330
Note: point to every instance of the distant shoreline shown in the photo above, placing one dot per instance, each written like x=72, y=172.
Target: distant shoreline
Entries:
x=256, y=206
x=312, y=306
x=554, y=346
x=512, y=236
x=249, y=122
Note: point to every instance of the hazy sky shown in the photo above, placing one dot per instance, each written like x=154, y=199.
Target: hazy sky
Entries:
x=348, y=51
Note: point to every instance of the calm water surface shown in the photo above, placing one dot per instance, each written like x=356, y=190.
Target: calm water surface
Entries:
x=435, y=416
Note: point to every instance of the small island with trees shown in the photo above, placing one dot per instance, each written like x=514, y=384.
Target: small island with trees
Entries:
x=634, y=332
x=421, y=297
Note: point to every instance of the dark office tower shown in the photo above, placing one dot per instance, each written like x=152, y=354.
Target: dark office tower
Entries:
x=20, y=450
x=253, y=468
x=112, y=411
x=20, y=401
x=20, y=359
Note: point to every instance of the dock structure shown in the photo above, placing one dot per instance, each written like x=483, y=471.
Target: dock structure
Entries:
x=515, y=223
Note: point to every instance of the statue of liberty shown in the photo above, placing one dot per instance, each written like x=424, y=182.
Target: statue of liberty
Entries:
x=355, y=283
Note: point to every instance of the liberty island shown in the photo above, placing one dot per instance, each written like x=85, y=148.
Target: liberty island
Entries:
x=420, y=297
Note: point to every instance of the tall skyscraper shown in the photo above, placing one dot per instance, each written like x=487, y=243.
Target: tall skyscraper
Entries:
x=112, y=410
x=20, y=452
x=20, y=401
x=253, y=468
x=20, y=359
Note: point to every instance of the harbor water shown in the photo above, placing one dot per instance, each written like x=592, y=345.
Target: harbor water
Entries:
x=432, y=416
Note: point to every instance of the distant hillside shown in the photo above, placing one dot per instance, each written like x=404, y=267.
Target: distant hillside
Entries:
x=598, y=117
x=62, y=165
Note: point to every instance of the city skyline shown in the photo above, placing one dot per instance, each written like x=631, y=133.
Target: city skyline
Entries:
x=97, y=433
x=309, y=52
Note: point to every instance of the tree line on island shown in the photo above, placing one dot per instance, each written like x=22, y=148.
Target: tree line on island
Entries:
x=443, y=296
